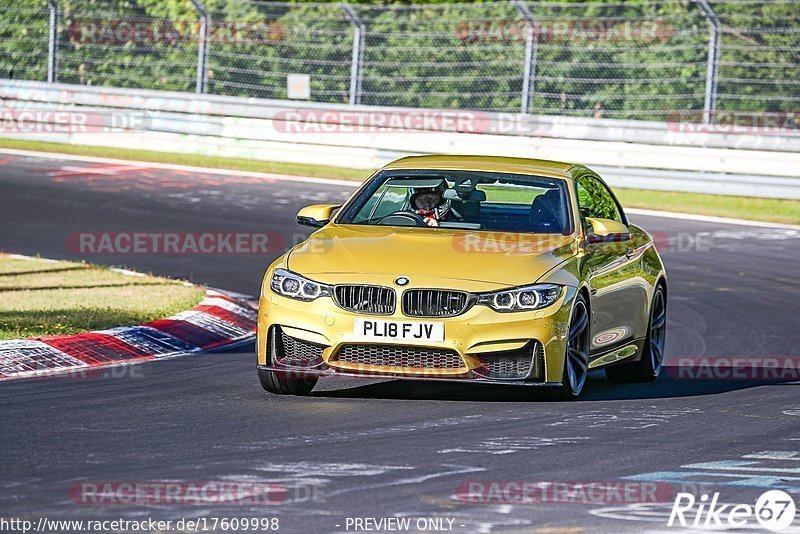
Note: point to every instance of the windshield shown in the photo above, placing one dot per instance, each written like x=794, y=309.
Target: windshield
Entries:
x=463, y=199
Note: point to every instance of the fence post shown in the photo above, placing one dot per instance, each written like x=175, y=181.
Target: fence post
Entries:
x=52, y=43
x=357, y=61
x=202, y=46
x=531, y=50
x=712, y=69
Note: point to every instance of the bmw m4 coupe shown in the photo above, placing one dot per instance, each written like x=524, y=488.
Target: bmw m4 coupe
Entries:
x=467, y=268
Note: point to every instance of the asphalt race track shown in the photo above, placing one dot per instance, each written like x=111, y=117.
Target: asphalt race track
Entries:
x=361, y=448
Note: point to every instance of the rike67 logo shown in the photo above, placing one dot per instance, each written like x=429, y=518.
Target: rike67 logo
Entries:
x=774, y=510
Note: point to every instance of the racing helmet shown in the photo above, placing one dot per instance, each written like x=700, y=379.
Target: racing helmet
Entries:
x=428, y=199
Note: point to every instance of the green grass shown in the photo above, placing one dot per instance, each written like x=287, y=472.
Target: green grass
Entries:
x=772, y=210
x=757, y=209
x=41, y=297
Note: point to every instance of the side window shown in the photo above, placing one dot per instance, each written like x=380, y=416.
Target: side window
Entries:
x=595, y=200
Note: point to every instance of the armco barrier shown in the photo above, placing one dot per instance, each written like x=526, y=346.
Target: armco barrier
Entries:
x=647, y=155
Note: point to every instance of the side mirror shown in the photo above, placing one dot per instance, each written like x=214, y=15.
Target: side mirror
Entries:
x=606, y=231
x=317, y=215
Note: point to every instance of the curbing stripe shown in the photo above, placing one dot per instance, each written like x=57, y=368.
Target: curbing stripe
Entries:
x=213, y=324
x=27, y=357
x=95, y=349
x=229, y=316
x=152, y=341
x=230, y=305
x=220, y=320
x=188, y=332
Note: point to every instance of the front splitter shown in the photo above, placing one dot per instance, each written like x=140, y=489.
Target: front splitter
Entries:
x=319, y=373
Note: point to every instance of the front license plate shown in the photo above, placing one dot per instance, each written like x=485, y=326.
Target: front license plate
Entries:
x=374, y=329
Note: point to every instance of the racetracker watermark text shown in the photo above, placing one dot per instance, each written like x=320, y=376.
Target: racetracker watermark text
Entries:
x=749, y=368
x=180, y=493
x=171, y=33
x=521, y=492
x=569, y=31
x=222, y=243
x=58, y=121
x=735, y=122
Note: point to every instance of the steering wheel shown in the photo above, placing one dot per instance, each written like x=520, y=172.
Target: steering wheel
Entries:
x=403, y=218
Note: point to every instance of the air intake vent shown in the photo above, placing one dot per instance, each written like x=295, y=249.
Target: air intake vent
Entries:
x=400, y=356
x=524, y=363
x=287, y=351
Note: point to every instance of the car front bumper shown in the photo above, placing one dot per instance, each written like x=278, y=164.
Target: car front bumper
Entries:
x=477, y=339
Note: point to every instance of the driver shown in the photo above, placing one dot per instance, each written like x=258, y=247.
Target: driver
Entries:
x=430, y=204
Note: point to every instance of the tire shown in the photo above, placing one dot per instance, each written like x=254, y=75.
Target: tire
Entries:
x=282, y=383
x=647, y=368
x=576, y=357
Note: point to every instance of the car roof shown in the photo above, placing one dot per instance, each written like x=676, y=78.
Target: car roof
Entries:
x=557, y=169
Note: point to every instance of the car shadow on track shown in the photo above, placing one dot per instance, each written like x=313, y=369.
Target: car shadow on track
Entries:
x=597, y=388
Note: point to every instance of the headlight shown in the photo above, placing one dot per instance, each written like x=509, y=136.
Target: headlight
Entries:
x=521, y=298
x=297, y=287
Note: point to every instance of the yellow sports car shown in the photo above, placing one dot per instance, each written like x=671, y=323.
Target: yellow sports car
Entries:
x=466, y=268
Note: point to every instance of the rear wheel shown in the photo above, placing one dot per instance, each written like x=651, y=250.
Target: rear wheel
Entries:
x=649, y=365
x=285, y=383
x=576, y=360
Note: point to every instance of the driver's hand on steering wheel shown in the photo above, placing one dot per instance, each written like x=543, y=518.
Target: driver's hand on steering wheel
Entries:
x=430, y=221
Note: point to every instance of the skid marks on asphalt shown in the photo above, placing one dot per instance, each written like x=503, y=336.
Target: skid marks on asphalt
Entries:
x=511, y=445
x=624, y=419
x=373, y=434
x=312, y=486
x=305, y=487
x=331, y=469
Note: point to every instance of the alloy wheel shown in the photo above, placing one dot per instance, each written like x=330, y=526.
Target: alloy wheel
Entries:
x=578, y=348
x=658, y=330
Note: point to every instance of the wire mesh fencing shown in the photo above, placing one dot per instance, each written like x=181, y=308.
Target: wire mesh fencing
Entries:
x=643, y=59
x=759, y=60
x=24, y=38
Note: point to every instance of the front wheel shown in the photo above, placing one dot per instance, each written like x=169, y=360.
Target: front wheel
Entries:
x=576, y=358
x=649, y=365
x=283, y=383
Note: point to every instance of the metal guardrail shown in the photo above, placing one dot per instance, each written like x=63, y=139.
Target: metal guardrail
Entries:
x=646, y=155
x=203, y=110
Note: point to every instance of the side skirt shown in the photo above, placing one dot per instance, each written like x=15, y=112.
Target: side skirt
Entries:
x=630, y=351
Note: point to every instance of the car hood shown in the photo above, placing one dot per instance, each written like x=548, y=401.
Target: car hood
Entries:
x=505, y=259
